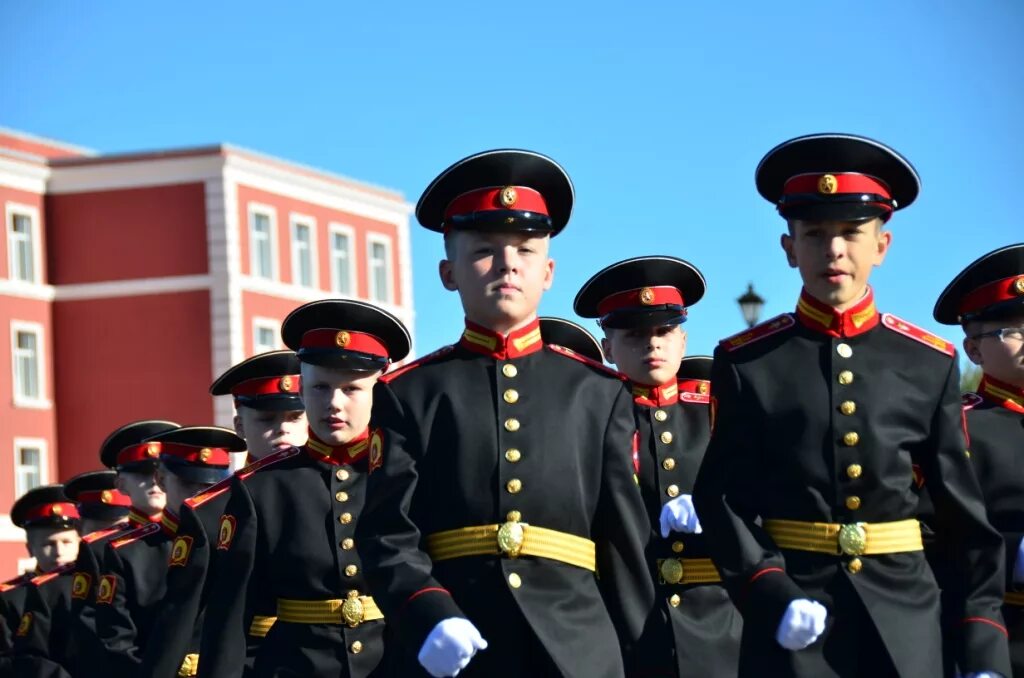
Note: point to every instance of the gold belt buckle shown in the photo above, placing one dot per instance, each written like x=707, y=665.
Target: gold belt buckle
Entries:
x=853, y=539
x=510, y=538
x=672, y=570
x=352, y=610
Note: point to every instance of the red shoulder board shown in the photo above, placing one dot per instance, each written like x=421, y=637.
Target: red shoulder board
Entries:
x=569, y=353
x=971, y=400
x=688, y=397
x=102, y=534
x=444, y=350
x=263, y=463
x=12, y=584
x=766, y=329
x=917, y=334
x=52, y=574
x=135, y=535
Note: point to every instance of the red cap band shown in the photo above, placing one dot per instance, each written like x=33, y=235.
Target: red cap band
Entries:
x=288, y=383
x=56, y=510
x=200, y=456
x=140, y=452
x=640, y=298
x=519, y=198
x=105, y=497
x=836, y=184
x=344, y=339
x=993, y=293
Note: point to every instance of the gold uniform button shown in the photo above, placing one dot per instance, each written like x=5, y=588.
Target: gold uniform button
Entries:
x=345, y=518
x=668, y=464
x=855, y=566
x=511, y=424
x=850, y=439
x=666, y=437
x=513, y=455
x=513, y=516
x=509, y=370
x=514, y=486
x=677, y=547
x=511, y=396
x=660, y=415
x=844, y=350
x=356, y=647
x=341, y=474
x=853, y=502
x=672, y=490
x=514, y=580
x=351, y=570
x=853, y=471
x=341, y=496
x=848, y=407
x=348, y=543
x=675, y=600
x=845, y=377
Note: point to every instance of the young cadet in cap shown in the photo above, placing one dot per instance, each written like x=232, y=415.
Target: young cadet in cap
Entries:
x=567, y=334
x=135, y=564
x=269, y=416
x=50, y=522
x=288, y=530
x=505, y=477
x=807, y=492
x=641, y=304
x=48, y=635
x=125, y=452
x=987, y=300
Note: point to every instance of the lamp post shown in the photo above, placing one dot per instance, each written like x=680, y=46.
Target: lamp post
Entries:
x=751, y=304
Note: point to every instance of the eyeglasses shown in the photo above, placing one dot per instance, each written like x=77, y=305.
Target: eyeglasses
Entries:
x=1003, y=333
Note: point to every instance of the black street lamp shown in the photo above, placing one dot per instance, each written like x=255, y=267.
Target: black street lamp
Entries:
x=751, y=304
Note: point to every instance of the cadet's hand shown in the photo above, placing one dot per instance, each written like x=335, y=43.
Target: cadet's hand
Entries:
x=802, y=623
x=1018, y=568
x=450, y=646
x=679, y=515
x=983, y=674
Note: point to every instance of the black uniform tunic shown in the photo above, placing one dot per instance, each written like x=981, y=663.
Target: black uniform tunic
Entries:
x=820, y=417
x=43, y=643
x=491, y=426
x=12, y=605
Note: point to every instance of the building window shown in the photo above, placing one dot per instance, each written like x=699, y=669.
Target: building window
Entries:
x=22, y=243
x=27, y=353
x=343, y=265
x=379, y=256
x=261, y=242
x=29, y=465
x=264, y=335
x=303, y=252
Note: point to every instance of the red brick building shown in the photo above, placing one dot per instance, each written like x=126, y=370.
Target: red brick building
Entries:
x=129, y=281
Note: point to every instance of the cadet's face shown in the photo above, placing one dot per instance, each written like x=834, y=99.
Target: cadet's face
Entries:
x=177, y=488
x=1002, y=359
x=500, y=277
x=647, y=355
x=52, y=547
x=338, y=402
x=146, y=494
x=270, y=431
x=835, y=258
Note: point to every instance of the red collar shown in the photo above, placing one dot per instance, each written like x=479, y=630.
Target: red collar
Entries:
x=349, y=453
x=169, y=523
x=821, y=317
x=656, y=396
x=1003, y=394
x=518, y=343
x=137, y=518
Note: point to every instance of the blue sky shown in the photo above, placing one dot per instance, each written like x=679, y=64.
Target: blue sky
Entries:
x=660, y=113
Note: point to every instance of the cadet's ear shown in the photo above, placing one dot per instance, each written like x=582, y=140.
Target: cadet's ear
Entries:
x=239, y=426
x=786, y=241
x=444, y=269
x=606, y=346
x=972, y=350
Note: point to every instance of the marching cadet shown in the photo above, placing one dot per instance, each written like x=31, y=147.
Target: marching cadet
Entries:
x=269, y=416
x=48, y=640
x=125, y=452
x=806, y=493
x=567, y=334
x=273, y=529
x=987, y=300
x=641, y=304
x=504, y=481
x=695, y=375
x=135, y=564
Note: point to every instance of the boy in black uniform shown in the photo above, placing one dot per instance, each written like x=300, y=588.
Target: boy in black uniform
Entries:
x=505, y=478
x=269, y=416
x=807, y=491
x=135, y=564
x=641, y=304
x=987, y=300
x=287, y=534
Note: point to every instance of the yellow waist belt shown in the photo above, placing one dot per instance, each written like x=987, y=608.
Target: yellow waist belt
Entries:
x=513, y=539
x=260, y=626
x=854, y=539
x=1014, y=598
x=189, y=665
x=352, y=611
x=687, y=571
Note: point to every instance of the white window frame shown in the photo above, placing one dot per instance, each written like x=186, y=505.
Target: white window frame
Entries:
x=353, y=261
x=10, y=210
x=41, y=401
x=371, y=240
x=271, y=324
x=270, y=212
x=44, y=461
x=314, y=262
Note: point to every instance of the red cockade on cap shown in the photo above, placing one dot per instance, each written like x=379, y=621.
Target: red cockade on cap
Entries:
x=993, y=293
x=209, y=456
x=288, y=383
x=640, y=298
x=60, y=509
x=106, y=497
x=344, y=339
x=139, y=452
x=492, y=198
x=839, y=184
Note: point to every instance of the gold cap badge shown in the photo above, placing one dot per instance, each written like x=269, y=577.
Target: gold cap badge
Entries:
x=56, y=510
x=508, y=196
x=647, y=296
x=342, y=339
x=153, y=449
x=205, y=454
x=285, y=384
x=1018, y=286
x=106, y=496
x=828, y=184
x=704, y=388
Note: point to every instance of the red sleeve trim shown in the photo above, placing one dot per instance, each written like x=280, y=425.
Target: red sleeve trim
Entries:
x=983, y=620
x=763, y=572
x=427, y=590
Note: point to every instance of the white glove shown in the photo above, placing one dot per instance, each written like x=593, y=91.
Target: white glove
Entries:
x=802, y=623
x=450, y=646
x=983, y=674
x=1018, y=567
x=679, y=515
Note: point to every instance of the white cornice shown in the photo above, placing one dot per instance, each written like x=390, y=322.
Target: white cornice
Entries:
x=131, y=288
x=99, y=176
x=22, y=175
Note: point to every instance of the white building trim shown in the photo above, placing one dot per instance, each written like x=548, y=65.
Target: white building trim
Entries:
x=272, y=324
x=23, y=175
x=9, y=532
x=295, y=218
x=353, y=258
x=224, y=247
x=127, y=173
x=44, y=459
x=16, y=288
x=132, y=287
x=42, y=401
x=373, y=238
x=34, y=138
x=11, y=209
x=251, y=210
